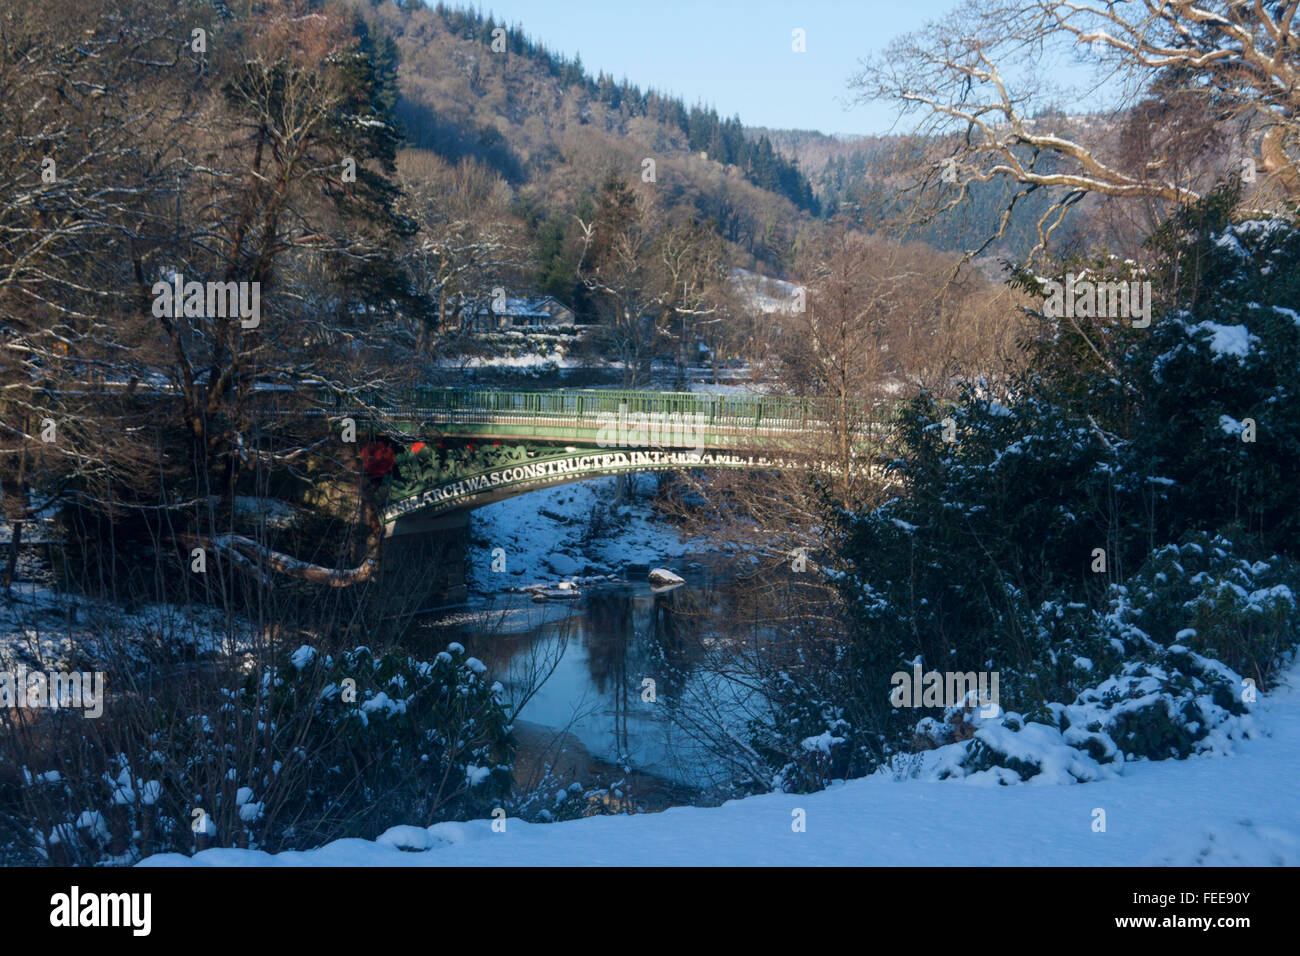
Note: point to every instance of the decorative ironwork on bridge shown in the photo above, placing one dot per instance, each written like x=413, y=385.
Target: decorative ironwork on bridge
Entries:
x=481, y=445
x=430, y=484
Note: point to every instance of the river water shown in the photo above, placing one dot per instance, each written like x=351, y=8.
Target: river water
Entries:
x=621, y=685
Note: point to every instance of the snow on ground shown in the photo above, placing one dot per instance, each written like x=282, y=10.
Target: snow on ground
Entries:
x=541, y=534
x=530, y=361
x=276, y=513
x=40, y=627
x=1237, y=810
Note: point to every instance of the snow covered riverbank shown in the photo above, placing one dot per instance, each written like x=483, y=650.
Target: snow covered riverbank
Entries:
x=1241, y=809
x=549, y=535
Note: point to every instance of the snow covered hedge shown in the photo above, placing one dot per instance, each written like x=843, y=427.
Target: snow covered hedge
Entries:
x=1184, y=705
x=431, y=737
x=1158, y=702
x=1205, y=594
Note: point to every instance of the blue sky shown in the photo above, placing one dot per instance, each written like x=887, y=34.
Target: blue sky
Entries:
x=733, y=54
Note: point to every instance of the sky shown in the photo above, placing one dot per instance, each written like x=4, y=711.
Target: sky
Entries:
x=735, y=55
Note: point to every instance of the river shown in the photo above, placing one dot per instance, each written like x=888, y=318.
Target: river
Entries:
x=617, y=686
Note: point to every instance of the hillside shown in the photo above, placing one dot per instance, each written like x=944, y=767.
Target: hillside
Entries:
x=552, y=131
x=859, y=177
x=862, y=177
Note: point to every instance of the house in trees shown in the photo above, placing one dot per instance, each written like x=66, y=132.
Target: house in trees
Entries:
x=539, y=313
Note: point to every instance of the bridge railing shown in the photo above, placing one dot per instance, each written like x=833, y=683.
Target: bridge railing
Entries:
x=727, y=413
x=772, y=411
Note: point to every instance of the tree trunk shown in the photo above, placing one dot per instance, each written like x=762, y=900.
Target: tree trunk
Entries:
x=16, y=539
x=11, y=565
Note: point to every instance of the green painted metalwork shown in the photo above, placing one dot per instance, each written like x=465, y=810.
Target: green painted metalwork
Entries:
x=431, y=487
x=587, y=433
x=681, y=419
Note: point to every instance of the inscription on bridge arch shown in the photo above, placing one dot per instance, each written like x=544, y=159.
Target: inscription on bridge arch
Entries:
x=591, y=464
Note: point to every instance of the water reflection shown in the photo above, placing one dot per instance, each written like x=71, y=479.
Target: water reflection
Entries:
x=600, y=680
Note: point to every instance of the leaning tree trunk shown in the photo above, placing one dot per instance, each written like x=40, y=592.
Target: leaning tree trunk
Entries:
x=256, y=558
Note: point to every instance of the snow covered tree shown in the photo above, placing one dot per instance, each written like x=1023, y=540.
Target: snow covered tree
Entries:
x=1027, y=522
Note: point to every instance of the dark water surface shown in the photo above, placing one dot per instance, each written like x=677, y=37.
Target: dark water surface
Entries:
x=580, y=672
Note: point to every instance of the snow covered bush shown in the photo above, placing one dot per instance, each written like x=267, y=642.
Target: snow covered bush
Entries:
x=1204, y=594
x=1223, y=357
x=279, y=752
x=1179, y=705
x=1174, y=706
x=430, y=739
x=984, y=561
x=1073, y=644
x=805, y=739
x=1020, y=539
x=1010, y=750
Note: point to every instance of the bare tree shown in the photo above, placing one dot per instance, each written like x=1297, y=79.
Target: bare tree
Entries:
x=81, y=86
x=1200, y=84
x=468, y=244
x=648, y=274
x=135, y=156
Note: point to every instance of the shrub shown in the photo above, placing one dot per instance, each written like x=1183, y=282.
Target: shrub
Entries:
x=1021, y=537
x=431, y=738
x=1178, y=705
x=1204, y=594
x=286, y=754
x=805, y=739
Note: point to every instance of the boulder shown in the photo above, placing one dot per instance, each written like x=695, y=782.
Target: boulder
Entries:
x=663, y=578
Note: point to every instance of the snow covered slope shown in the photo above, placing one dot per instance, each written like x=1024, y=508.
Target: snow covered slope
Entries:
x=1242, y=809
x=541, y=535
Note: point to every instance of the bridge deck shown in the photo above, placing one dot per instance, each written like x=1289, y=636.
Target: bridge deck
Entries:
x=667, y=419
x=615, y=431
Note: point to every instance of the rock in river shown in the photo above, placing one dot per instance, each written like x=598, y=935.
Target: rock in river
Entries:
x=663, y=578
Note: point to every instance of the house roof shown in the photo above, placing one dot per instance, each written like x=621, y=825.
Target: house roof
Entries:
x=520, y=305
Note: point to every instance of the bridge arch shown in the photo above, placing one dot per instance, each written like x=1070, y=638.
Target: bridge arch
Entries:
x=418, y=505
x=572, y=435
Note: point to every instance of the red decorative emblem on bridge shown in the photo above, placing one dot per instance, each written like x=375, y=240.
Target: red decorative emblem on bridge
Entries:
x=377, y=458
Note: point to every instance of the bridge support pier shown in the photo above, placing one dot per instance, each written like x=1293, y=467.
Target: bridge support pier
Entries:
x=425, y=557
